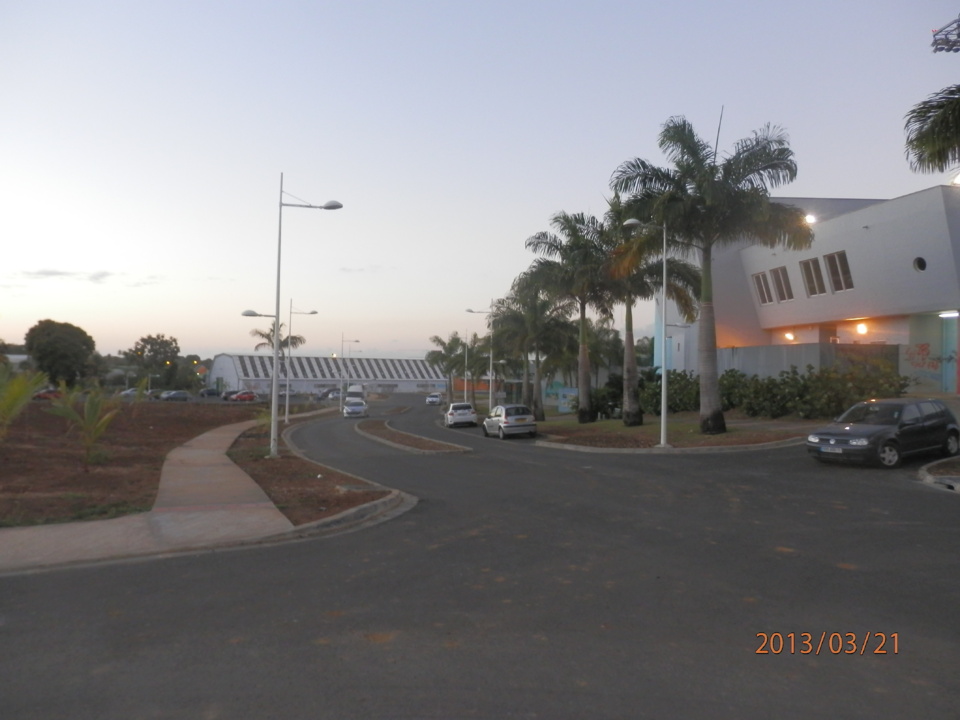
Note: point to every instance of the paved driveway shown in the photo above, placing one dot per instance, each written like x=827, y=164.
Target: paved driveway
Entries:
x=526, y=583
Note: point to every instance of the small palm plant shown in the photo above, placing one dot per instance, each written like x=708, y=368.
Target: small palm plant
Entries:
x=90, y=419
x=16, y=391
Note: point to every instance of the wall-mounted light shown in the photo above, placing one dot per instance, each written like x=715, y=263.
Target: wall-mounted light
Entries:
x=861, y=328
x=810, y=219
x=789, y=336
x=950, y=314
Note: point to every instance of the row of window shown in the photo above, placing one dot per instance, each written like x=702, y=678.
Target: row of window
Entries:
x=838, y=270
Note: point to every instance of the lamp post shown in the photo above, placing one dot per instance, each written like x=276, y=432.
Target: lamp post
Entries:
x=343, y=389
x=274, y=385
x=286, y=409
x=490, y=382
x=633, y=223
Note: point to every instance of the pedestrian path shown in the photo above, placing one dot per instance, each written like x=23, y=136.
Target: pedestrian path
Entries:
x=203, y=500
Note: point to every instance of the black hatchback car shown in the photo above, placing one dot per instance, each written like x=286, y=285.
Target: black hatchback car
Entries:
x=886, y=431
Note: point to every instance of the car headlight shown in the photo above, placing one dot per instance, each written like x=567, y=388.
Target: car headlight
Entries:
x=859, y=442
x=813, y=438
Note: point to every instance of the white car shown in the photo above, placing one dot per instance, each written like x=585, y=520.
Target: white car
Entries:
x=433, y=399
x=353, y=407
x=460, y=414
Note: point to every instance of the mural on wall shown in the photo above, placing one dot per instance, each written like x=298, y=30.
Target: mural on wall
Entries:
x=925, y=367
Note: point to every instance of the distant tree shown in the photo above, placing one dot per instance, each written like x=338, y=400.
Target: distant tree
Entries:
x=153, y=352
x=448, y=358
x=266, y=339
x=61, y=350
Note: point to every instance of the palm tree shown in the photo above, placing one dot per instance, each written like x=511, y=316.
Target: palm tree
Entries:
x=530, y=322
x=572, y=266
x=708, y=202
x=933, y=132
x=266, y=337
x=636, y=265
x=448, y=358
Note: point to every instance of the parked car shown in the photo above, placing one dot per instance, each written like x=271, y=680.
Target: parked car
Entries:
x=333, y=395
x=434, y=399
x=509, y=420
x=209, y=392
x=886, y=431
x=243, y=396
x=460, y=414
x=129, y=393
x=175, y=395
x=354, y=407
x=228, y=394
x=47, y=394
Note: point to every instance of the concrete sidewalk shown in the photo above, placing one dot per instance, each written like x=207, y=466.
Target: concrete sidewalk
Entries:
x=203, y=500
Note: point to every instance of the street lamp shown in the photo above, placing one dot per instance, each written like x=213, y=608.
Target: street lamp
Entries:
x=633, y=223
x=490, y=383
x=274, y=385
x=286, y=410
x=343, y=389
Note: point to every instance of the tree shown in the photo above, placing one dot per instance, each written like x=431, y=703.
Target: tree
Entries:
x=153, y=352
x=266, y=337
x=933, y=132
x=528, y=322
x=89, y=416
x=636, y=266
x=449, y=358
x=707, y=202
x=60, y=350
x=573, y=265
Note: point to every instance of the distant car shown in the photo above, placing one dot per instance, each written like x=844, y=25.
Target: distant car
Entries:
x=175, y=396
x=354, y=407
x=47, y=394
x=243, y=396
x=209, y=392
x=333, y=395
x=154, y=394
x=434, y=399
x=227, y=394
x=509, y=420
x=460, y=414
x=886, y=431
x=129, y=392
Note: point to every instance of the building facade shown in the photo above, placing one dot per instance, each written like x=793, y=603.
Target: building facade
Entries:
x=310, y=375
x=878, y=273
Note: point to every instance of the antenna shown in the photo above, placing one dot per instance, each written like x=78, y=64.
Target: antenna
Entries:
x=716, y=144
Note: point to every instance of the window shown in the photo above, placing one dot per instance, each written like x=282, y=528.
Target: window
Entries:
x=781, y=283
x=763, y=288
x=812, y=277
x=839, y=271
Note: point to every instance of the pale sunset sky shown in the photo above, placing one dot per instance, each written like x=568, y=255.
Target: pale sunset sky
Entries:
x=141, y=146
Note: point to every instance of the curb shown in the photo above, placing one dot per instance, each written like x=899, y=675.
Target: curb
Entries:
x=944, y=482
x=420, y=451
x=672, y=450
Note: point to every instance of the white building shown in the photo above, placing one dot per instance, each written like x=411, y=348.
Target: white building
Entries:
x=883, y=274
x=309, y=375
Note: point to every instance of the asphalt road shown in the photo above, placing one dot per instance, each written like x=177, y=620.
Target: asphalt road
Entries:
x=526, y=583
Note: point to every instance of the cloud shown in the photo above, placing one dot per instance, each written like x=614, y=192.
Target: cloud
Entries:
x=97, y=276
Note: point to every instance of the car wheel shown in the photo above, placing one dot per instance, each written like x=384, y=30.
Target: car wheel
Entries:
x=952, y=445
x=501, y=434
x=533, y=433
x=889, y=455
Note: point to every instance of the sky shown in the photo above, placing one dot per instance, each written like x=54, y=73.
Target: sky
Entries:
x=142, y=147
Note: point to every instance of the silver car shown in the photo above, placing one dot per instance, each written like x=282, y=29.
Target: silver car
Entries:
x=354, y=407
x=507, y=420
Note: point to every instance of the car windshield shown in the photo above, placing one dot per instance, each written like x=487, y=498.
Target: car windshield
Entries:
x=354, y=403
x=462, y=407
x=872, y=414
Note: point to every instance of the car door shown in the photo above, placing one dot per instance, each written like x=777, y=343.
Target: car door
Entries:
x=911, y=431
x=492, y=422
x=934, y=424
